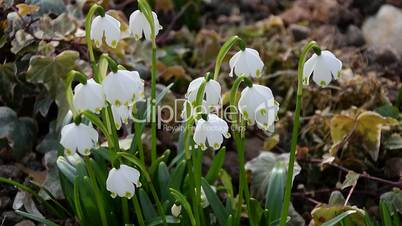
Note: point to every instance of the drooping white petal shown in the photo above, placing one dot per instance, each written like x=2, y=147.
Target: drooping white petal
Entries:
x=212, y=92
x=308, y=69
x=139, y=25
x=211, y=131
x=322, y=75
x=89, y=97
x=246, y=62
x=121, y=114
x=121, y=181
x=200, y=135
x=106, y=26
x=334, y=64
x=112, y=31
x=96, y=33
x=123, y=87
x=157, y=26
x=266, y=115
x=132, y=174
x=251, y=98
x=79, y=138
x=324, y=68
x=137, y=22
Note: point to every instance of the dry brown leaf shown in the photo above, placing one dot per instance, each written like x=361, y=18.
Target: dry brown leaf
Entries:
x=25, y=9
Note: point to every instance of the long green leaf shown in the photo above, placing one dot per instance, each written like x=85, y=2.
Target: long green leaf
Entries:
x=36, y=218
x=275, y=193
x=159, y=220
x=177, y=176
x=216, y=204
x=216, y=165
x=339, y=218
x=385, y=214
x=146, y=204
x=163, y=180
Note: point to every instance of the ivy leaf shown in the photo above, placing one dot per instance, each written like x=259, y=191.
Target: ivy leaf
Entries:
x=261, y=168
x=51, y=72
x=367, y=125
x=20, y=133
x=350, y=179
x=7, y=77
x=324, y=213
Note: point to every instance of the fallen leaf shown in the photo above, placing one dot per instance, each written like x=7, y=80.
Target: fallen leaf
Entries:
x=25, y=9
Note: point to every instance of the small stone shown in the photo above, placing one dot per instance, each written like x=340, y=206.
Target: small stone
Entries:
x=4, y=202
x=299, y=32
x=354, y=36
x=385, y=28
x=9, y=171
x=25, y=223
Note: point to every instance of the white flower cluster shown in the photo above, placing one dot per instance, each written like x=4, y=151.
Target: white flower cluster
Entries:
x=120, y=89
x=257, y=104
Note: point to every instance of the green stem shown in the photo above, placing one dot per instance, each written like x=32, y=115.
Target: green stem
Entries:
x=98, y=195
x=69, y=91
x=115, y=138
x=239, y=141
x=224, y=50
x=295, y=131
x=124, y=206
x=88, y=20
x=153, y=103
x=137, y=134
x=138, y=211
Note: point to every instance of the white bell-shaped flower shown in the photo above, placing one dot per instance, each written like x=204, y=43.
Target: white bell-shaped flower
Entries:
x=79, y=138
x=266, y=115
x=123, y=87
x=210, y=132
x=123, y=181
x=108, y=27
x=89, y=97
x=212, y=92
x=121, y=114
x=176, y=210
x=257, y=103
x=324, y=67
x=139, y=25
x=246, y=62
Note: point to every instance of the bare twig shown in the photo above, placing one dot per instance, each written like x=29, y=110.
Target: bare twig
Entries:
x=362, y=175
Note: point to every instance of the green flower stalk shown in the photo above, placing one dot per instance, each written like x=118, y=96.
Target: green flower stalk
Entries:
x=295, y=132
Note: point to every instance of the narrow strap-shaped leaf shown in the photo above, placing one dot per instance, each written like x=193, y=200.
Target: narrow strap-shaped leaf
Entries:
x=339, y=218
x=216, y=204
x=163, y=180
x=177, y=176
x=385, y=214
x=159, y=221
x=36, y=218
x=216, y=165
x=146, y=204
